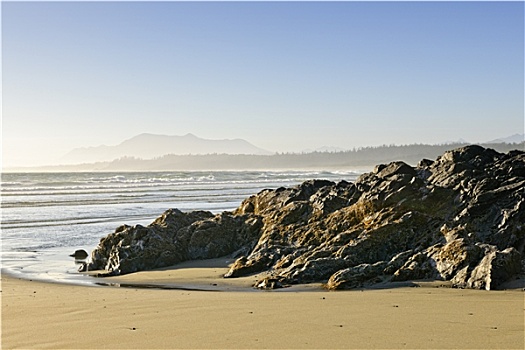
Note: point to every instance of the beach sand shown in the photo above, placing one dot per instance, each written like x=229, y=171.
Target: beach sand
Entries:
x=60, y=316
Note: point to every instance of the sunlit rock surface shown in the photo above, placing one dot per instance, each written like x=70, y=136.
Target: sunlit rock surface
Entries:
x=459, y=218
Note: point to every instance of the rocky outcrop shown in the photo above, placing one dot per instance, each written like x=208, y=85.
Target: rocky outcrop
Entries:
x=172, y=238
x=459, y=218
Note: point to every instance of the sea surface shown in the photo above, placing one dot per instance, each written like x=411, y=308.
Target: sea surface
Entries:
x=47, y=216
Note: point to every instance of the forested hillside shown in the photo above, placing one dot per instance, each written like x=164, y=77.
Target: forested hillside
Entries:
x=364, y=157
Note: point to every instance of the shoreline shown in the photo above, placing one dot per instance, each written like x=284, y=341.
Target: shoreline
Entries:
x=207, y=275
x=64, y=316
x=194, y=275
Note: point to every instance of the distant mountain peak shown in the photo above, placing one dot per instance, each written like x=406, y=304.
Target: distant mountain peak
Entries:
x=148, y=146
x=516, y=138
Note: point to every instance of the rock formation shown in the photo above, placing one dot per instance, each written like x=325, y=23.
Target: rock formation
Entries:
x=79, y=254
x=460, y=218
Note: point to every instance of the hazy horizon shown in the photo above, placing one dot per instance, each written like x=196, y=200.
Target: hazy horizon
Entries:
x=285, y=76
x=157, y=147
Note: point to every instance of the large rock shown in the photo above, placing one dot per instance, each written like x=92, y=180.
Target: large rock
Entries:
x=172, y=238
x=459, y=218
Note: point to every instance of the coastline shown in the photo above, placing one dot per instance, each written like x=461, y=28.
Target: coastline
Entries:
x=62, y=316
x=190, y=305
x=46, y=217
x=195, y=275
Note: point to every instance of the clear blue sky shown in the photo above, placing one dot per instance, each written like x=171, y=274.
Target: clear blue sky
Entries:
x=284, y=76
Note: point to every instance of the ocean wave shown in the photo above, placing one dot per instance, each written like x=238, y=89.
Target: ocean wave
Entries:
x=134, y=186
x=9, y=183
x=18, y=224
x=35, y=248
x=27, y=194
x=124, y=179
x=64, y=184
x=48, y=211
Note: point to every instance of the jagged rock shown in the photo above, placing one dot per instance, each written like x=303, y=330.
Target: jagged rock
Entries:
x=172, y=238
x=459, y=218
x=313, y=269
x=243, y=267
x=270, y=283
x=354, y=277
x=495, y=268
x=419, y=266
x=453, y=256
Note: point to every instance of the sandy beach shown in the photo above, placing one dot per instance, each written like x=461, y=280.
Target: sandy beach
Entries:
x=61, y=316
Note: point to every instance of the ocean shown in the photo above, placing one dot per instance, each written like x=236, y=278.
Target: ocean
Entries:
x=47, y=216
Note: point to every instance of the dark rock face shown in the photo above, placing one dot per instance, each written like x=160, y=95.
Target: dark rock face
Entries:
x=79, y=254
x=459, y=218
x=172, y=238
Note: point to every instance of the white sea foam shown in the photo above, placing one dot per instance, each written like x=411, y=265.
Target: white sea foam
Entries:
x=50, y=214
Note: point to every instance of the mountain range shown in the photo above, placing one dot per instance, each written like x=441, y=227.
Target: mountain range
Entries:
x=149, y=146
x=516, y=138
x=151, y=151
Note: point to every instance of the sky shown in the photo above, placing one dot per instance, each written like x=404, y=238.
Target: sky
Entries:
x=285, y=76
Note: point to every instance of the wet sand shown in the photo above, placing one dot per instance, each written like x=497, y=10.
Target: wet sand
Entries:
x=233, y=315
